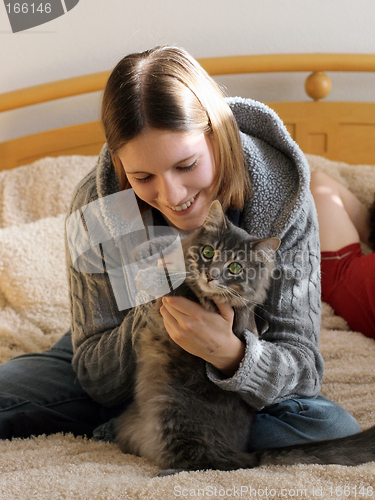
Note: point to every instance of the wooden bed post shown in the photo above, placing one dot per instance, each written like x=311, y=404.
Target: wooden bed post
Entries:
x=318, y=85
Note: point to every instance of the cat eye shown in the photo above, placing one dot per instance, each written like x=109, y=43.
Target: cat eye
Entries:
x=208, y=252
x=235, y=268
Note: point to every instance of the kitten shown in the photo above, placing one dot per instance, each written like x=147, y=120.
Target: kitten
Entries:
x=179, y=418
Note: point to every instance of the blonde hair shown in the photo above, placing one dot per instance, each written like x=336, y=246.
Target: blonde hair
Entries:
x=165, y=88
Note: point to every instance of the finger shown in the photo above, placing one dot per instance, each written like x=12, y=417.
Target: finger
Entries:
x=169, y=321
x=225, y=310
x=178, y=315
x=182, y=305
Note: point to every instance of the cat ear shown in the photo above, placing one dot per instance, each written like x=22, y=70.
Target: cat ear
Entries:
x=215, y=216
x=266, y=248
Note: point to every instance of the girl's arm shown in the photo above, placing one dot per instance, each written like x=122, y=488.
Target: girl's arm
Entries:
x=285, y=361
x=103, y=358
x=102, y=338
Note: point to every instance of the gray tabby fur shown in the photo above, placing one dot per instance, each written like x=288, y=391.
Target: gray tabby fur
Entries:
x=179, y=418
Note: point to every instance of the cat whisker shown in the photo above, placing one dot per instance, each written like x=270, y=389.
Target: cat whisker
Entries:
x=227, y=291
x=176, y=273
x=228, y=295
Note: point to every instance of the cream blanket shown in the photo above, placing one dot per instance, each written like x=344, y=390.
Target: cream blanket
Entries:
x=34, y=312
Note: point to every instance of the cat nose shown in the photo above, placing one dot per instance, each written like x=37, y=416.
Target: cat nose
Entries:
x=213, y=274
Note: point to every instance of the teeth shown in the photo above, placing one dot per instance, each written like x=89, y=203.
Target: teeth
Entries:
x=184, y=206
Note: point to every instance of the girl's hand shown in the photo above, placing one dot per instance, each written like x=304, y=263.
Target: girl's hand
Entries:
x=203, y=333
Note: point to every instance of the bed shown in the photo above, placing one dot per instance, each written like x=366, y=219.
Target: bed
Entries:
x=37, y=177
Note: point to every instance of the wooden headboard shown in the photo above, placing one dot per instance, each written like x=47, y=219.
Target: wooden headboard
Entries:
x=343, y=131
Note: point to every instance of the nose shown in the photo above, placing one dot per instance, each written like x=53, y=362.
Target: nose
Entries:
x=214, y=274
x=171, y=192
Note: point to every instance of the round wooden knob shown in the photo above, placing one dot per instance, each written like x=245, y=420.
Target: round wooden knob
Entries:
x=318, y=85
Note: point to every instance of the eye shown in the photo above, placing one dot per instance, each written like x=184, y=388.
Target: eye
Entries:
x=235, y=268
x=208, y=252
x=188, y=167
x=143, y=179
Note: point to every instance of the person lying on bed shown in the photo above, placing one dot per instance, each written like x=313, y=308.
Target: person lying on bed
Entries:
x=170, y=133
x=348, y=276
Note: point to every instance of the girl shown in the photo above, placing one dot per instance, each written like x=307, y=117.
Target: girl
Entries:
x=178, y=144
x=348, y=276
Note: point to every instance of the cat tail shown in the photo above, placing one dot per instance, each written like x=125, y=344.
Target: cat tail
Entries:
x=351, y=450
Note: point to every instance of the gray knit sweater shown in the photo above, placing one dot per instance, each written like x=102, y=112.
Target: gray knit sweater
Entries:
x=284, y=362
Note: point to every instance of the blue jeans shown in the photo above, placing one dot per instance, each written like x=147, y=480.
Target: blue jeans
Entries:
x=40, y=394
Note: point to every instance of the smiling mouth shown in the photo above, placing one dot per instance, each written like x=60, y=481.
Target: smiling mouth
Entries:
x=184, y=206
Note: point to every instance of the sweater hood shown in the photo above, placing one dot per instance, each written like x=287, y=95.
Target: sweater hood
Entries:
x=278, y=169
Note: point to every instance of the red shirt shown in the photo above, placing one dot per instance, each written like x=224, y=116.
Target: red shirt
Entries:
x=348, y=285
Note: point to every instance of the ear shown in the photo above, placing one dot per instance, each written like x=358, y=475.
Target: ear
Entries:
x=266, y=248
x=215, y=216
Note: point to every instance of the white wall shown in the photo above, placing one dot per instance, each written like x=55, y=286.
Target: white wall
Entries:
x=96, y=34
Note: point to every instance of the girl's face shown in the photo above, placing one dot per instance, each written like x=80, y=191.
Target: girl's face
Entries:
x=172, y=171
